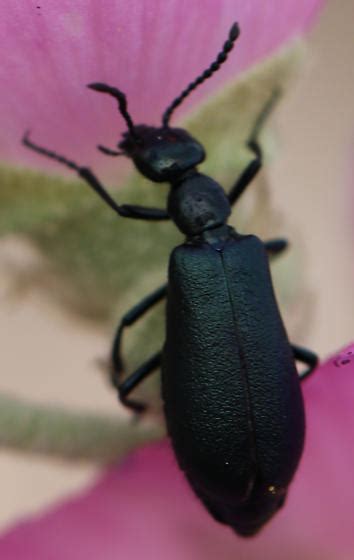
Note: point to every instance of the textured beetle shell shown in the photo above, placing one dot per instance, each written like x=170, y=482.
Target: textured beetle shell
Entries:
x=233, y=403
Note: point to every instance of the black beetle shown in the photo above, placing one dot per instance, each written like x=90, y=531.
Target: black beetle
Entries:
x=231, y=391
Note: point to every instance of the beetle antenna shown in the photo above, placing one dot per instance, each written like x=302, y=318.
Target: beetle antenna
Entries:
x=214, y=67
x=122, y=103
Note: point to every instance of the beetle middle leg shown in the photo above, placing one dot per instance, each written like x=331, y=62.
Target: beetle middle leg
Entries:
x=276, y=246
x=134, y=379
x=307, y=357
x=124, y=387
x=256, y=163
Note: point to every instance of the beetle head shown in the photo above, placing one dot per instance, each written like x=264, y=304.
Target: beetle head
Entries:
x=159, y=153
x=162, y=154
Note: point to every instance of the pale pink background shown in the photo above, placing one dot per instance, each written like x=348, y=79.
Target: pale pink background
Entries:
x=311, y=182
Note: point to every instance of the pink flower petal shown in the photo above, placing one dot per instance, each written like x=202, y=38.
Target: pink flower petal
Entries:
x=144, y=508
x=151, y=50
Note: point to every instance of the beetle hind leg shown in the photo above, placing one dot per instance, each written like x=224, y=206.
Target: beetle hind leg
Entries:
x=307, y=357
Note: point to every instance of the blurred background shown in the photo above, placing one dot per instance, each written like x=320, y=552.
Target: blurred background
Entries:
x=312, y=182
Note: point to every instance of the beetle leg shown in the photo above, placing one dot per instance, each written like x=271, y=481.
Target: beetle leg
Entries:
x=253, y=144
x=124, y=210
x=247, y=175
x=144, y=213
x=307, y=357
x=276, y=246
x=128, y=319
x=134, y=379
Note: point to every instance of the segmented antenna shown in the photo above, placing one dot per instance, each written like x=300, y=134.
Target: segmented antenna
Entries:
x=122, y=103
x=220, y=59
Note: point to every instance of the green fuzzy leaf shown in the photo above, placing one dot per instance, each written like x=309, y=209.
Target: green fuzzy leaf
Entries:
x=71, y=435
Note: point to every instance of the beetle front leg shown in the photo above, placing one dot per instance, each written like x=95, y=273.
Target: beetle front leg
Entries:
x=255, y=164
x=247, y=175
x=307, y=357
x=275, y=247
x=124, y=210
